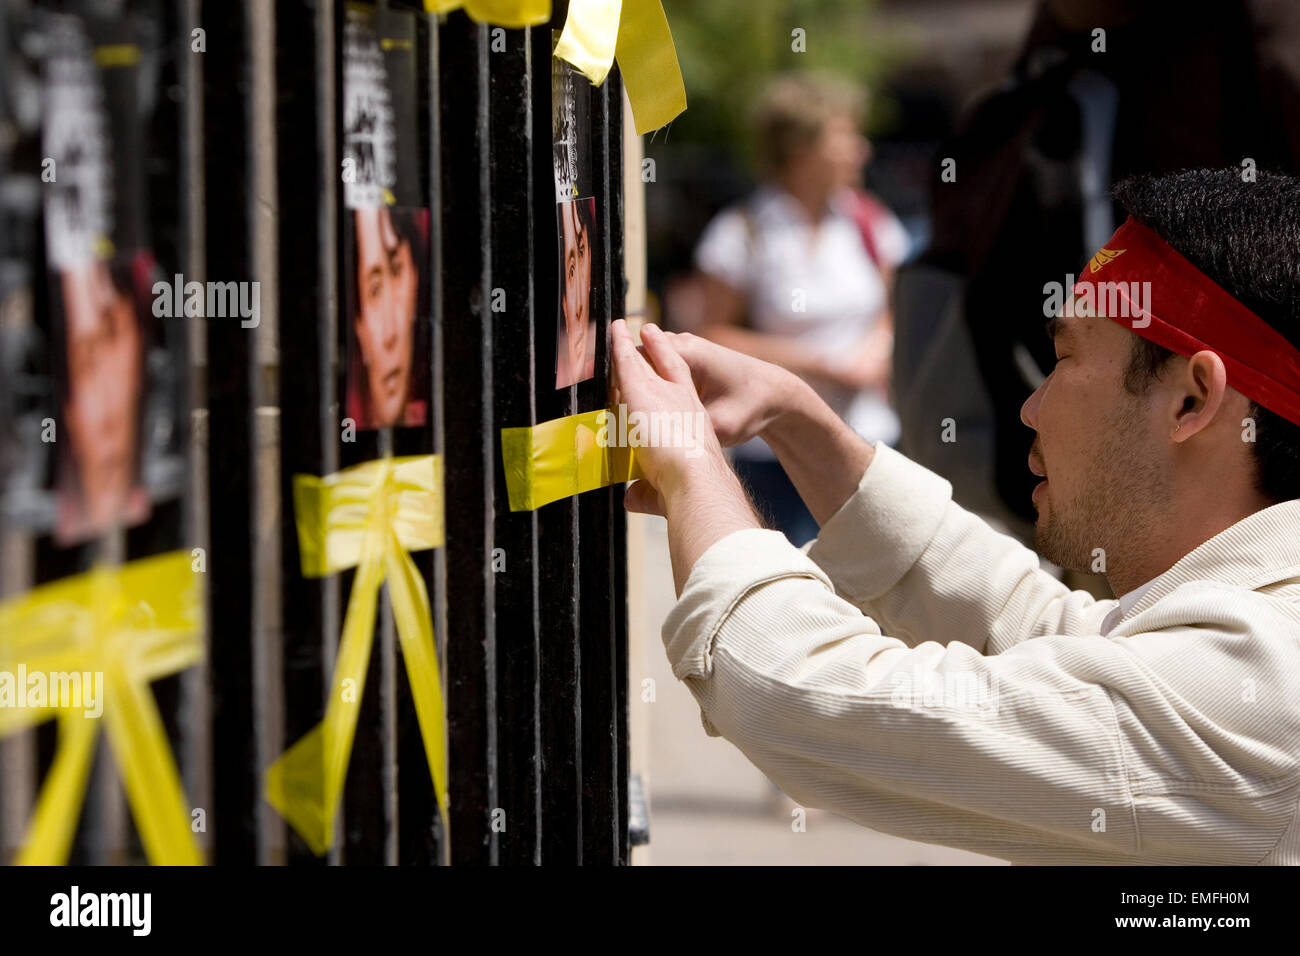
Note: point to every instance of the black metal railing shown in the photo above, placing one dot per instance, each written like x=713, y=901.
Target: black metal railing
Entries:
x=242, y=168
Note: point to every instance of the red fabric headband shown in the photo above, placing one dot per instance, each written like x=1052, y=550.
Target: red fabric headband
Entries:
x=1144, y=284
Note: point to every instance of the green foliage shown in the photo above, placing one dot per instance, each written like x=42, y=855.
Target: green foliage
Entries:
x=729, y=48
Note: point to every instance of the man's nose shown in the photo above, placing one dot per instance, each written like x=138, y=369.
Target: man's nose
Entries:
x=390, y=319
x=1029, y=410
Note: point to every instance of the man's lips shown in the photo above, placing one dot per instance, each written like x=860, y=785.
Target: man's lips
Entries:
x=1041, y=471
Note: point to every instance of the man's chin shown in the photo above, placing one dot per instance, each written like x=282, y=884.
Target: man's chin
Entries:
x=1055, y=547
x=389, y=412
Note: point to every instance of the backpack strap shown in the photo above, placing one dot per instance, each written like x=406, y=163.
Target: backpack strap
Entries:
x=867, y=211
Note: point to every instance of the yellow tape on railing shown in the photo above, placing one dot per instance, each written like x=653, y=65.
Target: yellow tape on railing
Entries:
x=369, y=517
x=561, y=458
x=596, y=32
x=501, y=13
x=636, y=33
x=133, y=625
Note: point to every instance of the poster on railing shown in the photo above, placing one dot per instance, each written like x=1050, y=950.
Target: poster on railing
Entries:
x=115, y=431
x=386, y=224
x=576, y=226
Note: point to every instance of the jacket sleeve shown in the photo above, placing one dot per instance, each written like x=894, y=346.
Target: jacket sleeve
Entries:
x=903, y=552
x=1051, y=751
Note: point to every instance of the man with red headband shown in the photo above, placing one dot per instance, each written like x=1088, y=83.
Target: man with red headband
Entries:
x=916, y=671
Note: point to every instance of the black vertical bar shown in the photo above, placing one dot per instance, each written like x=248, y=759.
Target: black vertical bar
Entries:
x=559, y=662
x=618, y=517
x=599, y=724
x=512, y=148
x=307, y=176
x=420, y=838
x=228, y=174
x=466, y=322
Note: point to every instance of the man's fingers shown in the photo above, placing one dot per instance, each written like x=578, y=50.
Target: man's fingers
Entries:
x=665, y=358
x=629, y=364
x=642, y=498
x=696, y=352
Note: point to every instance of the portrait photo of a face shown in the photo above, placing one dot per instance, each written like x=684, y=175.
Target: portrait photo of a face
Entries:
x=101, y=389
x=575, y=351
x=386, y=374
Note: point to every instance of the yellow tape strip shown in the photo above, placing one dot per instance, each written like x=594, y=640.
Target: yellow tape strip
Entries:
x=501, y=13
x=133, y=625
x=636, y=33
x=369, y=517
x=647, y=58
x=590, y=37
x=561, y=458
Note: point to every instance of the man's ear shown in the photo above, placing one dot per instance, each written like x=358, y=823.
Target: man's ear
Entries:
x=1201, y=387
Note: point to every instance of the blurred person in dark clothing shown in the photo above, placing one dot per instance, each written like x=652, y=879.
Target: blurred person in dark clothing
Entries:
x=1103, y=89
x=798, y=273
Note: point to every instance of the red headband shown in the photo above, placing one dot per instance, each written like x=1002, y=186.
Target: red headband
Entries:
x=1194, y=314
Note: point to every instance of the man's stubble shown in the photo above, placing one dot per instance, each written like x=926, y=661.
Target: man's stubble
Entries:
x=1122, y=506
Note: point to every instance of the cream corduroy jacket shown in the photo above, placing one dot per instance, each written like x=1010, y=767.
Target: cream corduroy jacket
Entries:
x=916, y=671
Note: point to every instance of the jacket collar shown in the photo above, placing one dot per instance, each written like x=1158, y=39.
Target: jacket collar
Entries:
x=1260, y=549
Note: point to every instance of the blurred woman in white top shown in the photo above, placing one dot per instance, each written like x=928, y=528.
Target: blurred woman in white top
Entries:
x=798, y=273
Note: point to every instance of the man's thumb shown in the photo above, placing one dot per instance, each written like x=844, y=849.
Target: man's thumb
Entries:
x=642, y=498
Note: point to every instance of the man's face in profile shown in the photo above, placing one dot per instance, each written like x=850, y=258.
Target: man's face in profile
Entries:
x=104, y=387
x=577, y=286
x=1098, y=445
x=386, y=285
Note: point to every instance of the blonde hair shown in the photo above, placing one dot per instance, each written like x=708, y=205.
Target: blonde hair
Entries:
x=793, y=111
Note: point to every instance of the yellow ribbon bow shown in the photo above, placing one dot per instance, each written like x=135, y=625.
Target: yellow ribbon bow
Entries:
x=564, y=457
x=636, y=33
x=132, y=625
x=369, y=517
x=502, y=13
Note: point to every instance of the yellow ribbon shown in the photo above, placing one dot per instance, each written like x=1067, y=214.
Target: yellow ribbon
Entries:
x=502, y=13
x=369, y=517
x=595, y=33
x=563, y=457
x=134, y=625
x=636, y=33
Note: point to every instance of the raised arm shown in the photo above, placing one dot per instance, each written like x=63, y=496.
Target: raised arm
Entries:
x=890, y=531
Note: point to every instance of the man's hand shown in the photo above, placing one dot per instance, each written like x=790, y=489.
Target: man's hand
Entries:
x=689, y=483
x=742, y=394
x=746, y=397
x=654, y=381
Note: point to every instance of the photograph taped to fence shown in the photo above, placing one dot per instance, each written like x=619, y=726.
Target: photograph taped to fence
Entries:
x=575, y=214
x=117, y=444
x=386, y=225
x=575, y=359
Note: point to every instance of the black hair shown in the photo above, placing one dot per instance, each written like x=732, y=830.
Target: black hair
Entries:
x=584, y=210
x=1242, y=229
